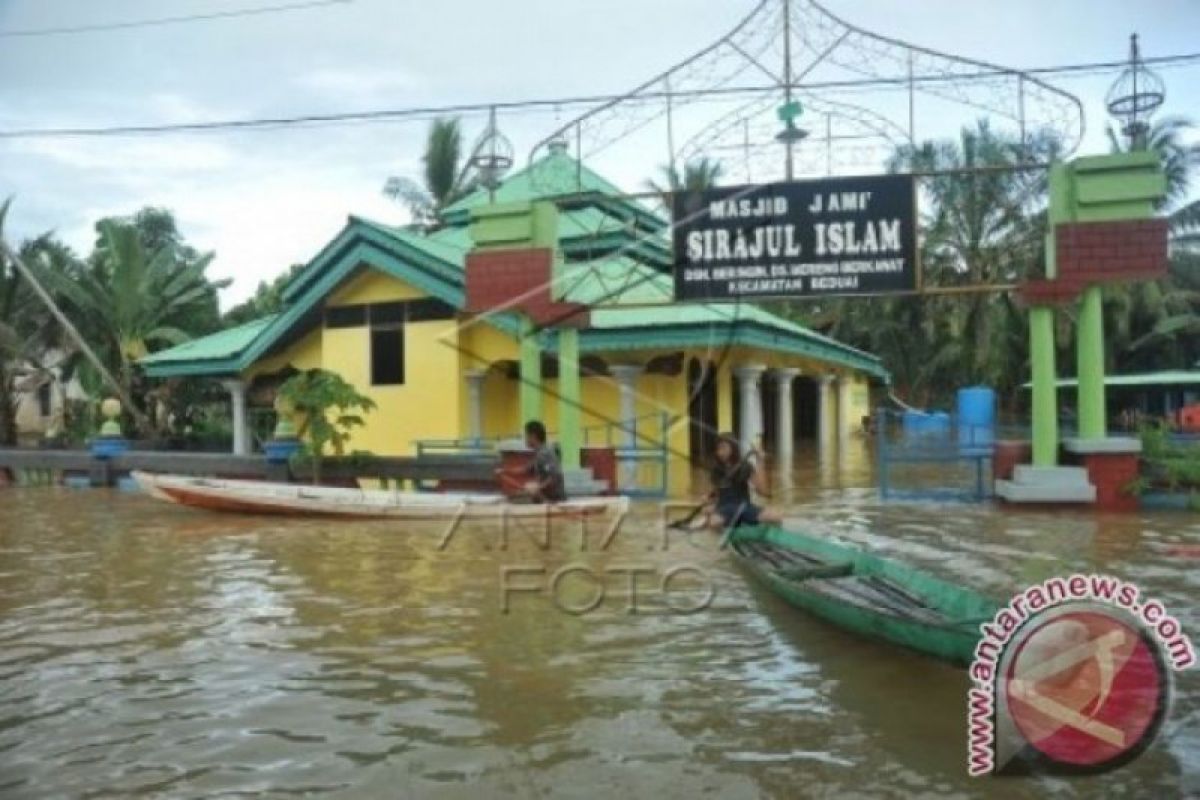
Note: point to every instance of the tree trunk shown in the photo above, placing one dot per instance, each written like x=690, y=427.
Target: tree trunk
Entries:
x=8, y=409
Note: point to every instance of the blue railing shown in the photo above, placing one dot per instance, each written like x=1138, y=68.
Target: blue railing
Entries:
x=641, y=466
x=932, y=439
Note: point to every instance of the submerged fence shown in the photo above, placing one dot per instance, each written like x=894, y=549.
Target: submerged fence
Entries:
x=936, y=456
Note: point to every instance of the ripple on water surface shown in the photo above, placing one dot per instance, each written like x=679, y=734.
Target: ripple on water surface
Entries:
x=151, y=651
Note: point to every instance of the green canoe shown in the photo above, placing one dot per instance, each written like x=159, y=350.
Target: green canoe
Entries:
x=864, y=593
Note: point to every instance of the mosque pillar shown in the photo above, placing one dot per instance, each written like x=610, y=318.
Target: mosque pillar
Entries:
x=748, y=376
x=785, y=428
x=626, y=376
x=241, y=426
x=474, y=379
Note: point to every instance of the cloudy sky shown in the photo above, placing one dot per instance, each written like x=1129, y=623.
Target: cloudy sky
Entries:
x=264, y=199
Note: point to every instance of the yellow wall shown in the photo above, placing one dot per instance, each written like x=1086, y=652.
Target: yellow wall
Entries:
x=432, y=402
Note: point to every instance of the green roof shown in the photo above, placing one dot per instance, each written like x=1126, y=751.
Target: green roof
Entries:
x=1170, y=377
x=221, y=344
x=615, y=253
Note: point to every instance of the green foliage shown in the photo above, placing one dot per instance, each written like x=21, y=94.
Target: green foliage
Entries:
x=1166, y=464
x=987, y=226
x=697, y=175
x=141, y=289
x=445, y=178
x=267, y=299
x=331, y=408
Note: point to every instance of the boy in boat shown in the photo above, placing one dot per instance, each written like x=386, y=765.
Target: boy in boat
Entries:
x=545, y=471
x=732, y=478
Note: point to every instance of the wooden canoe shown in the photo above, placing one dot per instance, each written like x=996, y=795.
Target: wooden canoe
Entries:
x=864, y=593
x=260, y=497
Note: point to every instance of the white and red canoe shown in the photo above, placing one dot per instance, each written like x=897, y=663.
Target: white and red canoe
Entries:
x=289, y=499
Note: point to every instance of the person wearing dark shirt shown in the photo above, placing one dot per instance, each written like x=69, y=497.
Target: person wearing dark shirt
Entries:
x=732, y=479
x=547, y=485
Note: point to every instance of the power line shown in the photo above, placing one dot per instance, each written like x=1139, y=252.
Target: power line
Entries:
x=417, y=112
x=148, y=23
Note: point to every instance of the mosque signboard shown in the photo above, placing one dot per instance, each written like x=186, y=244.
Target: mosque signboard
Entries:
x=838, y=236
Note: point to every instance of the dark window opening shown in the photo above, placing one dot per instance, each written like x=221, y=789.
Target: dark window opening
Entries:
x=387, y=313
x=387, y=356
x=44, y=399
x=346, y=316
x=428, y=309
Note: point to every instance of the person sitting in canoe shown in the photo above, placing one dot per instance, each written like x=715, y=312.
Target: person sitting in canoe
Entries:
x=732, y=478
x=541, y=481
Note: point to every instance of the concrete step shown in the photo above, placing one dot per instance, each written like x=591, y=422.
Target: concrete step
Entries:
x=1050, y=476
x=1014, y=492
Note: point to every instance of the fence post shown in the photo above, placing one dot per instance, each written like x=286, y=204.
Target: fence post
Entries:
x=881, y=447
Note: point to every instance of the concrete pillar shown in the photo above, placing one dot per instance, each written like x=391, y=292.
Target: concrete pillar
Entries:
x=626, y=376
x=531, y=372
x=785, y=428
x=1089, y=343
x=241, y=426
x=751, y=405
x=826, y=411
x=724, y=379
x=474, y=379
x=1045, y=390
x=570, y=399
x=844, y=423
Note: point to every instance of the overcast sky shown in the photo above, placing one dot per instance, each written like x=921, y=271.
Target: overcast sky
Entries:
x=265, y=199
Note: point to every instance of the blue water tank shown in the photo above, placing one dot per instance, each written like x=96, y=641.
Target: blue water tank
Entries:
x=976, y=416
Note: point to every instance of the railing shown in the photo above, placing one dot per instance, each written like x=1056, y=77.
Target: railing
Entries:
x=935, y=439
x=641, y=450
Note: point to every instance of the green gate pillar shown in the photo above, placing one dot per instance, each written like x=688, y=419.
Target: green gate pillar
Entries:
x=569, y=398
x=1090, y=366
x=1045, y=386
x=531, y=372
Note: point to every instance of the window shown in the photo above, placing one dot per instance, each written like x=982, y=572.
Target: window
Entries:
x=345, y=316
x=45, y=405
x=428, y=309
x=387, y=356
x=387, y=313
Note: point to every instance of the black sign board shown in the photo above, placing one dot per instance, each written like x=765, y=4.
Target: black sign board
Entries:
x=824, y=237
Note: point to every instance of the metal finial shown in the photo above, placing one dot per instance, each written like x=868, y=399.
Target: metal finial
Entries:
x=492, y=155
x=1135, y=95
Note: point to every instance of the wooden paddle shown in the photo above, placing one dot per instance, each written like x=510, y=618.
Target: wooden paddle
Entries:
x=685, y=523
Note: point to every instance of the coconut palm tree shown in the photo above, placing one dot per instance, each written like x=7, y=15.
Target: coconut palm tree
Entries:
x=1153, y=324
x=445, y=179
x=697, y=175
x=980, y=226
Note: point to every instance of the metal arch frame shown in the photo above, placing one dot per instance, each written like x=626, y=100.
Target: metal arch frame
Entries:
x=985, y=65
x=730, y=39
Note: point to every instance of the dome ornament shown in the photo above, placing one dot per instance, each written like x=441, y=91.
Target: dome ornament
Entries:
x=492, y=155
x=1134, y=97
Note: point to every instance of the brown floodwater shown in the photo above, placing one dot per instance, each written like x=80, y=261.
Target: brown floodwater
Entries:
x=152, y=651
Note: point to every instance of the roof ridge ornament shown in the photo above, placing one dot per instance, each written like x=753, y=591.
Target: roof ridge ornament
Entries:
x=1134, y=97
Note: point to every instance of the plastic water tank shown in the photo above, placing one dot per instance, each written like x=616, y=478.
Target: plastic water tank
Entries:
x=976, y=416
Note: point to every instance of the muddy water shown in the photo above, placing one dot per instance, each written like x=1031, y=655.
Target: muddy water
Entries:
x=147, y=651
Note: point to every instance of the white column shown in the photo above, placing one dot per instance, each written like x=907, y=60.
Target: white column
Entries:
x=474, y=379
x=751, y=404
x=826, y=423
x=785, y=428
x=845, y=424
x=626, y=376
x=241, y=427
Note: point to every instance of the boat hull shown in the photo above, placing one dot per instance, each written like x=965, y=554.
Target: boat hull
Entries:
x=257, y=497
x=864, y=593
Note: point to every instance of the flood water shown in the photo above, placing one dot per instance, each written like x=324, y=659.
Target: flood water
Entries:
x=150, y=651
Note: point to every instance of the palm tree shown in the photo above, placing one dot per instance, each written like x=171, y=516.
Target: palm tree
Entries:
x=697, y=175
x=981, y=226
x=130, y=300
x=1156, y=323
x=14, y=301
x=445, y=179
